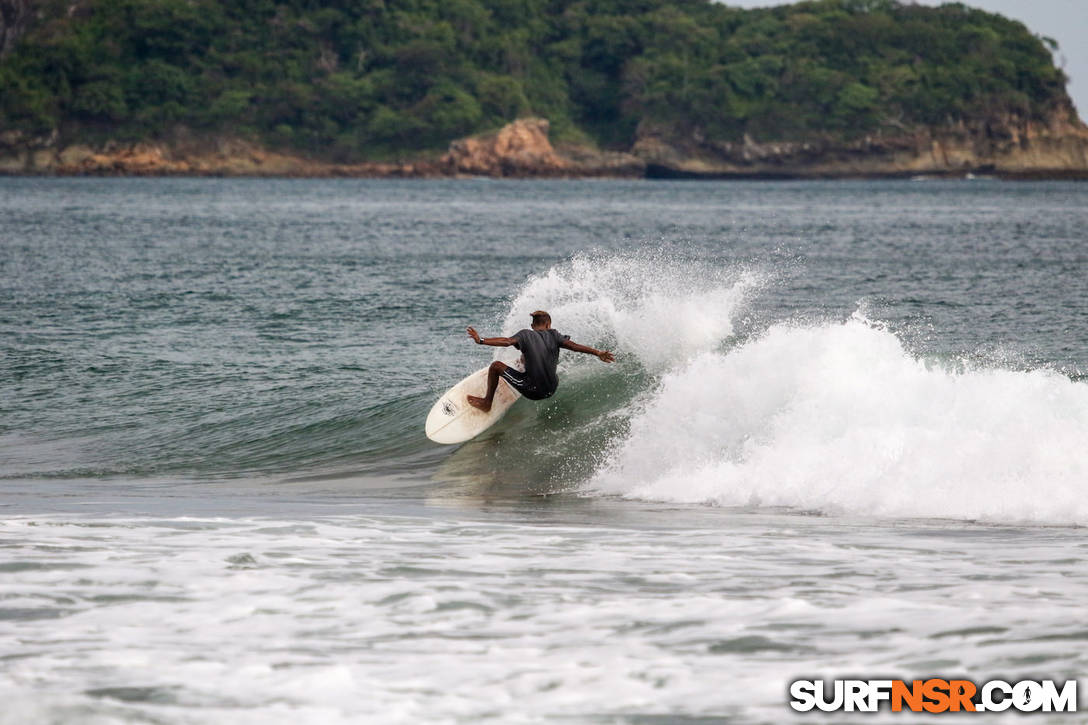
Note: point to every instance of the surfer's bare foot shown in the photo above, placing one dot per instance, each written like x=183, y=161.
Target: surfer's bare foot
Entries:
x=480, y=403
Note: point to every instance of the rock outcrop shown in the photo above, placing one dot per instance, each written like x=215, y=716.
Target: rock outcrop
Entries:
x=1009, y=147
x=522, y=149
x=182, y=155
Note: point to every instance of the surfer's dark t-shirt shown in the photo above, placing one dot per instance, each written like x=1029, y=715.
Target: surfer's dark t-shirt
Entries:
x=540, y=348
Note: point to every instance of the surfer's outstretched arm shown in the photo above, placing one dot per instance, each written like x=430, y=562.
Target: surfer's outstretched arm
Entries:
x=492, y=341
x=604, y=355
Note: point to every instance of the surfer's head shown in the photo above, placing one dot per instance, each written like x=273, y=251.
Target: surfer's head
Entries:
x=541, y=320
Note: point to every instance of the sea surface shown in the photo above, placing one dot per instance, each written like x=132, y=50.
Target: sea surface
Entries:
x=846, y=434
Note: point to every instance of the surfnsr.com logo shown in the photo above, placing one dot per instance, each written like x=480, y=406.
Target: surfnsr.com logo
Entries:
x=933, y=695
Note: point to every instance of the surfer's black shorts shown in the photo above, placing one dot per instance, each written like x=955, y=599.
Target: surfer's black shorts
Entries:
x=518, y=382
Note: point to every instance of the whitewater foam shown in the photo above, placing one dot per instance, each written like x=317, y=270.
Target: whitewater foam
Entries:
x=841, y=418
x=645, y=306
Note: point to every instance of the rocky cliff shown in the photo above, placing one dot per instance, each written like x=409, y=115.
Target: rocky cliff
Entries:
x=179, y=155
x=519, y=149
x=1009, y=147
x=1005, y=146
x=522, y=149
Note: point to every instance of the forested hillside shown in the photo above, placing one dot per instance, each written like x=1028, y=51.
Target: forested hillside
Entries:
x=355, y=79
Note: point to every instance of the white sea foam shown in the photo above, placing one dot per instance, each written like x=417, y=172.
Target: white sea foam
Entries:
x=842, y=418
x=659, y=310
x=403, y=619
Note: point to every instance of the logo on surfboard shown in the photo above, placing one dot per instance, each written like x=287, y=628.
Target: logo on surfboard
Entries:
x=449, y=408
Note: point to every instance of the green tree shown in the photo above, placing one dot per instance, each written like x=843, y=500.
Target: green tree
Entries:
x=354, y=79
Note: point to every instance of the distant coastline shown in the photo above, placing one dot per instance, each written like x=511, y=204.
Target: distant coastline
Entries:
x=679, y=89
x=522, y=149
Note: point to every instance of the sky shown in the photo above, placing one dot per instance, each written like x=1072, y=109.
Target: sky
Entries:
x=1066, y=21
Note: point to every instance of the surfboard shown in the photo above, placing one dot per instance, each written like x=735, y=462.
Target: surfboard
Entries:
x=453, y=420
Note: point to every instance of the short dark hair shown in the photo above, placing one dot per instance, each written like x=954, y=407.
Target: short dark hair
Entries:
x=540, y=317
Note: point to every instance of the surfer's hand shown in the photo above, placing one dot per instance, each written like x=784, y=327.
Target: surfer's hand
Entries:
x=474, y=335
x=606, y=356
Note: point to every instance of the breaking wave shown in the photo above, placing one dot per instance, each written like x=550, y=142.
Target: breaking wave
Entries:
x=841, y=418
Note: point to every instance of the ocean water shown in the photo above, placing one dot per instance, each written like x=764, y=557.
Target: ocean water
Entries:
x=846, y=434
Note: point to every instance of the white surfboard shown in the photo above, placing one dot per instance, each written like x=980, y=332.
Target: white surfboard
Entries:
x=453, y=420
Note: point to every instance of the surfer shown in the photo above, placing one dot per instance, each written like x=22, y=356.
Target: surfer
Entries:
x=540, y=349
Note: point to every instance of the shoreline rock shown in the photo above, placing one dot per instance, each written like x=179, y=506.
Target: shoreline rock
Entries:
x=522, y=149
x=1006, y=147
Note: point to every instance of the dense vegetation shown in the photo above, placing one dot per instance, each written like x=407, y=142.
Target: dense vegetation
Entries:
x=353, y=79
